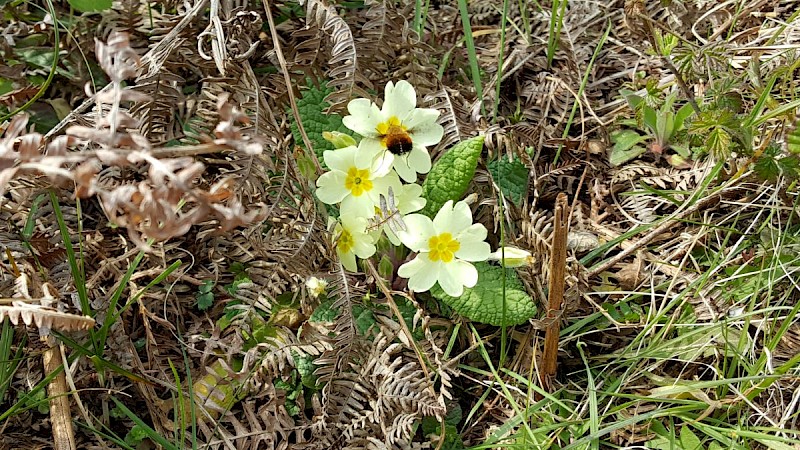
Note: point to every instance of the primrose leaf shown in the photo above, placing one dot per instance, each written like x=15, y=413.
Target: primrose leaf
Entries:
x=324, y=313
x=484, y=302
x=305, y=367
x=312, y=106
x=90, y=5
x=511, y=176
x=450, y=176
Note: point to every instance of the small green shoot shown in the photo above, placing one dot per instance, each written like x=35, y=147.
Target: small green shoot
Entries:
x=205, y=295
x=663, y=124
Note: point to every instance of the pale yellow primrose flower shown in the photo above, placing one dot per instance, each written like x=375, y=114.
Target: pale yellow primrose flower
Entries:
x=352, y=239
x=357, y=186
x=399, y=132
x=514, y=257
x=316, y=286
x=444, y=245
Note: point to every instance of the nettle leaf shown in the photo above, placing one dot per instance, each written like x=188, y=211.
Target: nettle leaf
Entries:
x=450, y=175
x=484, y=302
x=511, y=176
x=718, y=143
x=312, y=106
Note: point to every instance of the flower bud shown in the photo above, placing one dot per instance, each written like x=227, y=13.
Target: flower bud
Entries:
x=512, y=257
x=338, y=139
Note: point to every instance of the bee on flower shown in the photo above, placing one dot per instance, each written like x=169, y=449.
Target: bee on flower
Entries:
x=397, y=134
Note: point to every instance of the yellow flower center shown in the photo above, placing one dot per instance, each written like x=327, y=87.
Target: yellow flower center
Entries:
x=443, y=247
x=383, y=128
x=345, y=242
x=357, y=181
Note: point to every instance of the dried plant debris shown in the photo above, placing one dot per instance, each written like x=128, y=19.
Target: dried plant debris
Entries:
x=174, y=194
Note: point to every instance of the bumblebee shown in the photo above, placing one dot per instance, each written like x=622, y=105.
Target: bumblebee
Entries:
x=397, y=141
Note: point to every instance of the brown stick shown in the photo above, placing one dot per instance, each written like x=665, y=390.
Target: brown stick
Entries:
x=558, y=263
x=60, y=415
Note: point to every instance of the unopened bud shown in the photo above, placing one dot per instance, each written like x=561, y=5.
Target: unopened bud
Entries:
x=512, y=257
x=338, y=139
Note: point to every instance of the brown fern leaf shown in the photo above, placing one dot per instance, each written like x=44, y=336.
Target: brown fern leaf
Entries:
x=343, y=61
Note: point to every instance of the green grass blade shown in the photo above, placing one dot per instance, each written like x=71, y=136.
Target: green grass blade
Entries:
x=473, y=55
x=151, y=433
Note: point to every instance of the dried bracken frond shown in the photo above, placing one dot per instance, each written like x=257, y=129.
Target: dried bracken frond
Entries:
x=45, y=318
x=343, y=61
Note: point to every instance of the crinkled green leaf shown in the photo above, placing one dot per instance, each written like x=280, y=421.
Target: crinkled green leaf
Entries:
x=305, y=367
x=450, y=176
x=484, y=302
x=312, y=106
x=511, y=176
x=364, y=319
x=324, y=313
x=90, y=5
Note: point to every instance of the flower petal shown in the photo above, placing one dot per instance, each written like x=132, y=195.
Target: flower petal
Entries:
x=421, y=117
x=427, y=135
x=383, y=163
x=421, y=272
x=419, y=160
x=363, y=247
x=475, y=233
x=445, y=219
x=457, y=275
x=369, y=150
x=402, y=168
x=419, y=230
x=410, y=199
x=365, y=116
x=330, y=187
x=348, y=260
x=473, y=251
x=456, y=222
x=399, y=100
x=361, y=206
x=341, y=159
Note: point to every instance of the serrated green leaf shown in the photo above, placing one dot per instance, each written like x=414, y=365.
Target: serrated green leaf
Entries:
x=790, y=166
x=90, y=5
x=312, y=106
x=718, y=143
x=767, y=168
x=511, y=177
x=450, y=175
x=484, y=302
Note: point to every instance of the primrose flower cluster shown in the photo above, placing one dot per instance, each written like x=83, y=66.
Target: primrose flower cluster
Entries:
x=374, y=183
